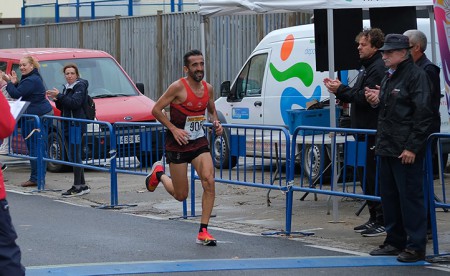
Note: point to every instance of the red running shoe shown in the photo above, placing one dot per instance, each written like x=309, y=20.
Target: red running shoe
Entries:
x=151, y=182
x=205, y=238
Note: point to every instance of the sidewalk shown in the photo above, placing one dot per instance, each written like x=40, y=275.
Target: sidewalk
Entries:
x=237, y=208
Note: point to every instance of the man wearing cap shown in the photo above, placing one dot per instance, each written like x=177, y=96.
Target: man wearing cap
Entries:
x=404, y=121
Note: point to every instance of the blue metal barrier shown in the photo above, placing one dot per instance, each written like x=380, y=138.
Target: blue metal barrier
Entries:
x=92, y=142
x=259, y=154
x=139, y=145
x=123, y=148
x=337, y=151
x=325, y=157
x=249, y=146
x=26, y=143
x=436, y=198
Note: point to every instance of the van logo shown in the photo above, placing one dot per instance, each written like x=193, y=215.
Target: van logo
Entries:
x=128, y=118
x=299, y=70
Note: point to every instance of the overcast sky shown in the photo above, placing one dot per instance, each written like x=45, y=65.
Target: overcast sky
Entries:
x=10, y=8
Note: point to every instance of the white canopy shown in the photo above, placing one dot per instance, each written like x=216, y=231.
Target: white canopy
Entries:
x=229, y=7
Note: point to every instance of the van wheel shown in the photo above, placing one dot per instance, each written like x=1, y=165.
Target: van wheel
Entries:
x=220, y=151
x=315, y=159
x=55, y=146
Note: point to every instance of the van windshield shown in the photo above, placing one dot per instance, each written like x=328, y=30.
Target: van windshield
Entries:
x=105, y=77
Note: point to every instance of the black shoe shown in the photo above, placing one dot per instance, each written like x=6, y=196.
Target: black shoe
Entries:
x=76, y=191
x=375, y=231
x=385, y=250
x=369, y=224
x=411, y=256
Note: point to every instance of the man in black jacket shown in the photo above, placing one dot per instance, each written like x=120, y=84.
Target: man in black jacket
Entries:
x=404, y=121
x=363, y=116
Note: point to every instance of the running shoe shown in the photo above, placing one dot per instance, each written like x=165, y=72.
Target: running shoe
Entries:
x=363, y=227
x=86, y=189
x=375, y=231
x=151, y=182
x=73, y=191
x=205, y=238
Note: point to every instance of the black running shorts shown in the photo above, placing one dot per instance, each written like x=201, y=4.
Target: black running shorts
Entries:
x=177, y=157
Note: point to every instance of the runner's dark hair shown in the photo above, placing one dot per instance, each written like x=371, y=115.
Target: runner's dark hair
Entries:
x=186, y=57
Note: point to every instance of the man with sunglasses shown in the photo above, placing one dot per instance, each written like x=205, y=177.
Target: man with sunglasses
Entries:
x=404, y=122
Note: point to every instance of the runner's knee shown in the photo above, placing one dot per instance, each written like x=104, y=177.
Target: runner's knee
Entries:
x=180, y=196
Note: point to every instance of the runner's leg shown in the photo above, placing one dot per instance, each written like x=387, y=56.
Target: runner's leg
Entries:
x=177, y=184
x=205, y=170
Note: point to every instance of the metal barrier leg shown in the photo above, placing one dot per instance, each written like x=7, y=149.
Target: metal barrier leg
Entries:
x=361, y=208
x=315, y=183
x=275, y=175
x=287, y=232
x=440, y=201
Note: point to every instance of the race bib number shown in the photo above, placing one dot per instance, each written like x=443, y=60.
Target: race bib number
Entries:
x=194, y=126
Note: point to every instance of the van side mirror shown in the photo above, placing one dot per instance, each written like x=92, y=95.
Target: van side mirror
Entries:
x=225, y=89
x=140, y=87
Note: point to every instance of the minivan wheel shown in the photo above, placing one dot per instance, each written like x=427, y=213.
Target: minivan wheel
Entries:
x=315, y=160
x=220, y=151
x=55, y=151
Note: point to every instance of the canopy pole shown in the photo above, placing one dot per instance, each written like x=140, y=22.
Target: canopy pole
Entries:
x=203, y=41
x=330, y=31
x=432, y=34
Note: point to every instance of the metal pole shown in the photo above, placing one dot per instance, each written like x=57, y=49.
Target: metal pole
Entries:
x=130, y=7
x=203, y=42
x=22, y=11
x=113, y=153
x=56, y=12
x=432, y=34
x=330, y=27
x=78, y=10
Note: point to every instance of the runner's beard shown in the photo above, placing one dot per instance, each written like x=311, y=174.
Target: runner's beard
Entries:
x=197, y=76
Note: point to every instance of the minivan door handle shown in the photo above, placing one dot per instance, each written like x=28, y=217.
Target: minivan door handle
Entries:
x=258, y=103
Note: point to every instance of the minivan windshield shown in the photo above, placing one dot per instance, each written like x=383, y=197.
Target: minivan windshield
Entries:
x=105, y=77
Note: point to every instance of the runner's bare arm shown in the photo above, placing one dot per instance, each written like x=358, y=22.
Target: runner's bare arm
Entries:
x=172, y=95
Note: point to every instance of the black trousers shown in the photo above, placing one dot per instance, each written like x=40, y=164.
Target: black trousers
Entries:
x=10, y=255
x=375, y=207
x=75, y=157
x=74, y=148
x=402, y=197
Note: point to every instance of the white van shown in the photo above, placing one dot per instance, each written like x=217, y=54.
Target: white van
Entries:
x=279, y=76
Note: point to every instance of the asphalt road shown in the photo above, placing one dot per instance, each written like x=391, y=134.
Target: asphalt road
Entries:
x=60, y=238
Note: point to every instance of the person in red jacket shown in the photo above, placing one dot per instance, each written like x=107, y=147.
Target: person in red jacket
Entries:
x=10, y=255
